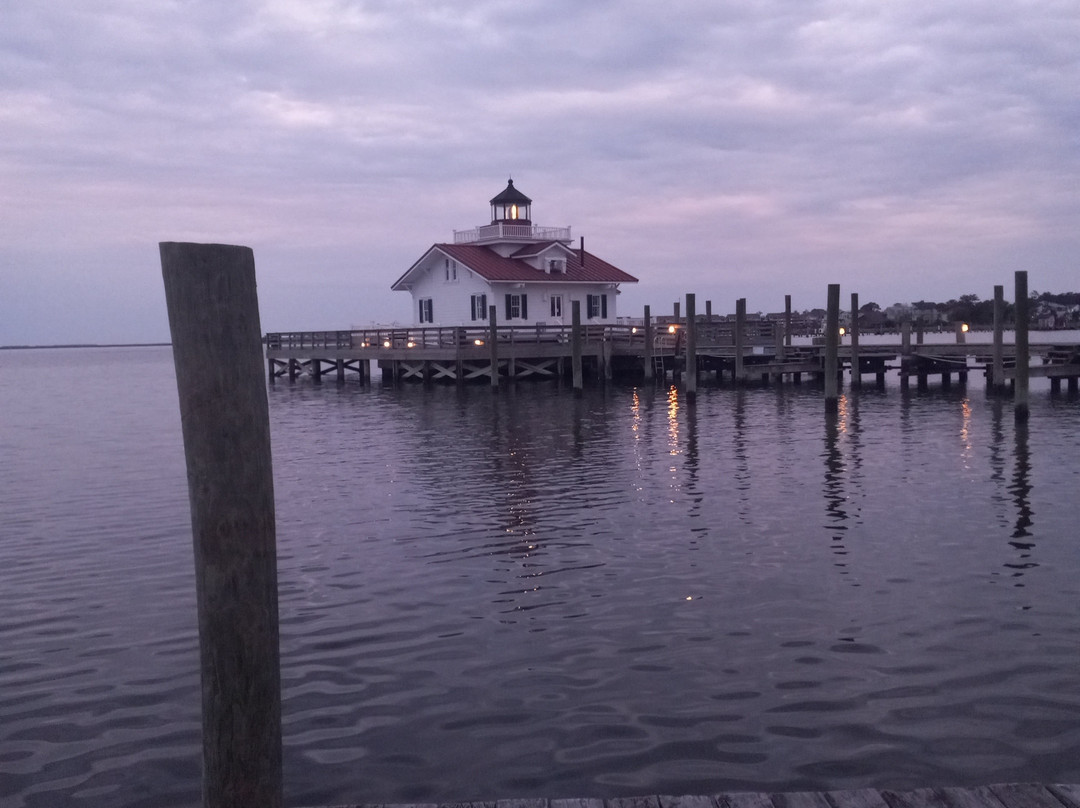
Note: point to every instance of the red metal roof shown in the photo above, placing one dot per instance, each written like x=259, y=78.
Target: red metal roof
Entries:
x=491, y=266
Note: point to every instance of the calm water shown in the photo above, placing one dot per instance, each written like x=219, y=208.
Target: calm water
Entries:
x=530, y=594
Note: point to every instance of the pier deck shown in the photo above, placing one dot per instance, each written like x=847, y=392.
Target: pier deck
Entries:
x=543, y=351
x=993, y=796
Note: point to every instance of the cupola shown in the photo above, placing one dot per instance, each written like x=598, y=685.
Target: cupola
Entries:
x=511, y=206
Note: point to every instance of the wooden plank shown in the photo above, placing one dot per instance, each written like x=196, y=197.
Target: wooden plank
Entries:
x=1025, y=795
x=532, y=803
x=633, y=802
x=971, y=797
x=1068, y=794
x=577, y=804
x=744, y=799
x=686, y=802
x=800, y=799
x=858, y=798
x=919, y=798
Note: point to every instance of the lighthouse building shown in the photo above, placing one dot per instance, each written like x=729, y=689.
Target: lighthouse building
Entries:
x=531, y=274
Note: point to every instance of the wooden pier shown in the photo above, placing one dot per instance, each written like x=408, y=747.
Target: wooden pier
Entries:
x=993, y=796
x=763, y=354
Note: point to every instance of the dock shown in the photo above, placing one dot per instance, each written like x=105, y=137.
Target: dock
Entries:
x=764, y=353
x=991, y=796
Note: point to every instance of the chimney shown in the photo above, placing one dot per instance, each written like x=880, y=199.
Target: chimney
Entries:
x=581, y=253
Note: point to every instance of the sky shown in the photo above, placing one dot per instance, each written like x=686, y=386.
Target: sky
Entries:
x=906, y=150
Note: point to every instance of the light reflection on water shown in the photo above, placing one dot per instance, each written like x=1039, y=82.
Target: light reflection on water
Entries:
x=532, y=594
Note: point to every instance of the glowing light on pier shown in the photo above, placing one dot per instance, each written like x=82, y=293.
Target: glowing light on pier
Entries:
x=671, y=329
x=478, y=342
x=386, y=344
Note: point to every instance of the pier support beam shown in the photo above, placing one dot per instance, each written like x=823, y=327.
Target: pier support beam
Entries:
x=787, y=321
x=1023, y=353
x=691, y=347
x=648, y=355
x=832, y=345
x=575, y=345
x=217, y=350
x=493, y=346
x=856, y=371
x=739, y=375
x=997, y=360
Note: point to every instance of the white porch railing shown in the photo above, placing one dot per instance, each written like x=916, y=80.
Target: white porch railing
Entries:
x=501, y=231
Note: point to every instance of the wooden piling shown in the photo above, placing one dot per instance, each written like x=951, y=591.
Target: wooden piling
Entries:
x=856, y=373
x=997, y=367
x=787, y=321
x=575, y=345
x=217, y=350
x=738, y=376
x=691, y=347
x=832, y=345
x=1023, y=355
x=648, y=356
x=676, y=310
x=708, y=310
x=493, y=346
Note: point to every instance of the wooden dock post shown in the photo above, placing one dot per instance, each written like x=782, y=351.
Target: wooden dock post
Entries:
x=997, y=367
x=856, y=371
x=575, y=345
x=676, y=309
x=459, y=361
x=691, y=347
x=738, y=376
x=1023, y=354
x=493, y=346
x=213, y=313
x=708, y=311
x=832, y=346
x=648, y=355
x=787, y=321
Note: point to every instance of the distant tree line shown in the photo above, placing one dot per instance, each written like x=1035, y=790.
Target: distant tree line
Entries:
x=1046, y=309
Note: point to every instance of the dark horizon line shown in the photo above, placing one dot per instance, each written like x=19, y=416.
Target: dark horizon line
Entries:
x=88, y=345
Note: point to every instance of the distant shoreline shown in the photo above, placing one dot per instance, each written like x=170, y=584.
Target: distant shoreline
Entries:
x=88, y=345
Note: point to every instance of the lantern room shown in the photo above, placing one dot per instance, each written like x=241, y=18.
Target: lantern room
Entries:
x=511, y=206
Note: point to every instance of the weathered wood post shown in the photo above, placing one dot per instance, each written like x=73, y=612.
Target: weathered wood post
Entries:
x=708, y=311
x=676, y=309
x=575, y=344
x=691, y=347
x=459, y=359
x=832, y=346
x=217, y=350
x=1023, y=354
x=997, y=366
x=493, y=346
x=787, y=321
x=649, y=370
x=740, y=330
x=856, y=371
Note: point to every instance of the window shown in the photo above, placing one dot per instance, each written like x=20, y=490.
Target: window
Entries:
x=555, y=266
x=479, y=307
x=425, y=310
x=451, y=270
x=556, y=306
x=596, y=306
x=517, y=307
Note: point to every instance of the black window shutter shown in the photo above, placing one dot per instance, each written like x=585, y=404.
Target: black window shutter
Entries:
x=430, y=310
x=483, y=308
x=603, y=306
x=588, y=307
x=524, y=307
x=508, y=307
x=421, y=311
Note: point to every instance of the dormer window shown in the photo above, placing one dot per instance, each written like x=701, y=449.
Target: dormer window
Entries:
x=556, y=266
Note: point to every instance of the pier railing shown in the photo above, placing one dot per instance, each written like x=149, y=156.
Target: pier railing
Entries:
x=456, y=336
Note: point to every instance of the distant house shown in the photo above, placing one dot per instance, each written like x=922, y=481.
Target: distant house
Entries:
x=530, y=274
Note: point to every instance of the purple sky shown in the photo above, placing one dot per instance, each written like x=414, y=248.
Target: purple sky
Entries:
x=905, y=150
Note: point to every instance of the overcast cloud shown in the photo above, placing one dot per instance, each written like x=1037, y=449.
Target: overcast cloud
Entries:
x=905, y=150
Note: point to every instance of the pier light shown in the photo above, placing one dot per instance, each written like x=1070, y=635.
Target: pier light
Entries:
x=478, y=342
x=964, y=327
x=410, y=344
x=386, y=344
x=842, y=331
x=671, y=329
x=633, y=330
